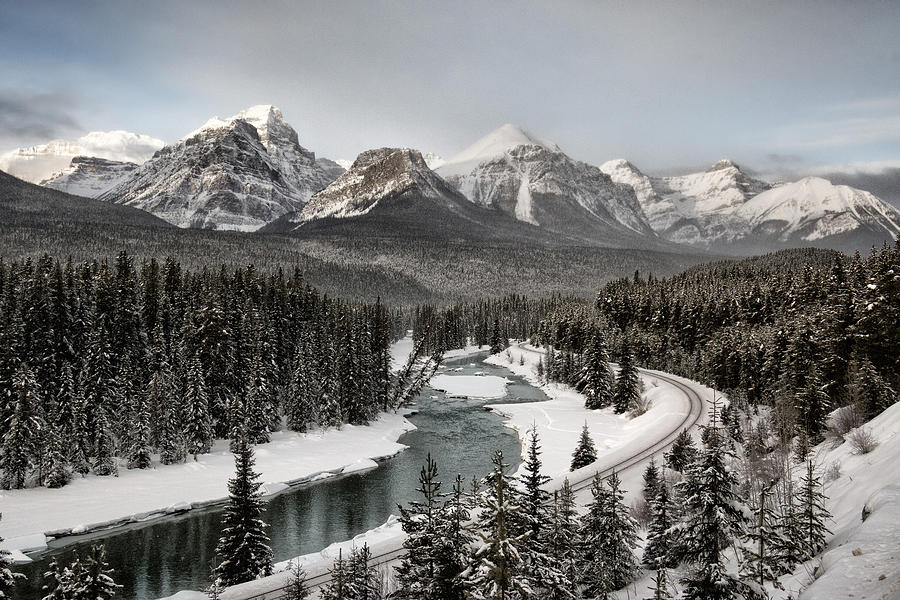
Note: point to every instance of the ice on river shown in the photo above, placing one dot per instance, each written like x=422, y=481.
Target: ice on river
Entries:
x=471, y=386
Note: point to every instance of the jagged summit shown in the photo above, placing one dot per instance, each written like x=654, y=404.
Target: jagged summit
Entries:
x=236, y=173
x=723, y=164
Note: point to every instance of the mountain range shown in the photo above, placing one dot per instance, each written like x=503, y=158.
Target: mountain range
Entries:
x=249, y=172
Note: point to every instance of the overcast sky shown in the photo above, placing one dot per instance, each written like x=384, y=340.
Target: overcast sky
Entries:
x=792, y=85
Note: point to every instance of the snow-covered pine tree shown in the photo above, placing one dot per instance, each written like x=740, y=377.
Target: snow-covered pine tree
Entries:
x=92, y=577
x=139, y=450
x=296, y=587
x=455, y=544
x=585, y=453
x=627, y=390
x=7, y=576
x=161, y=394
x=597, y=382
x=198, y=429
x=761, y=560
x=496, y=572
x=788, y=546
x=652, y=481
x=535, y=507
x=418, y=573
x=243, y=543
x=683, y=452
x=713, y=517
x=563, y=543
x=105, y=462
x=813, y=514
x=660, y=589
x=23, y=428
x=812, y=404
x=867, y=389
x=337, y=587
x=57, y=473
x=657, y=551
x=363, y=579
x=498, y=344
x=609, y=537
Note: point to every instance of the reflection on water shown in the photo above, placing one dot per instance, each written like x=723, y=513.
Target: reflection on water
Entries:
x=166, y=556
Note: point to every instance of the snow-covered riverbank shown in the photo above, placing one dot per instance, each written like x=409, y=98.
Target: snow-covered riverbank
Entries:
x=89, y=503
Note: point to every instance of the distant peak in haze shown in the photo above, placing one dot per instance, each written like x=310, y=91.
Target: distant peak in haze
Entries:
x=723, y=164
x=497, y=142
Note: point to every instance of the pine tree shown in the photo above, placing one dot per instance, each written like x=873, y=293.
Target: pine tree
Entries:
x=813, y=514
x=92, y=578
x=296, y=588
x=563, y=544
x=7, y=576
x=139, y=450
x=657, y=551
x=812, y=404
x=243, y=544
x=57, y=474
x=363, y=581
x=714, y=517
x=597, y=382
x=418, y=573
x=496, y=573
x=761, y=561
x=652, y=481
x=609, y=537
x=337, y=587
x=23, y=428
x=161, y=395
x=627, y=391
x=455, y=542
x=585, y=453
x=105, y=464
x=867, y=389
x=660, y=587
x=683, y=452
x=198, y=429
x=498, y=344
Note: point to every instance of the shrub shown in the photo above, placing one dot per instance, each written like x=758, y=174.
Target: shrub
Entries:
x=845, y=420
x=862, y=441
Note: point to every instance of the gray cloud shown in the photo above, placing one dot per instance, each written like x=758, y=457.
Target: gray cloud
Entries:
x=38, y=116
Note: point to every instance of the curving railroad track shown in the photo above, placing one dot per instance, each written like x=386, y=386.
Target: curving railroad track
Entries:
x=652, y=448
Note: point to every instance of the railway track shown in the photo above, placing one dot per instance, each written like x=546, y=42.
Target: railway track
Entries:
x=653, y=448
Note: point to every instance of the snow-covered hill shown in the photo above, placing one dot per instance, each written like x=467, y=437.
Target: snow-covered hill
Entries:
x=89, y=176
x=535, y=182
x=724, y=209
x=237, y=173
x=38, y=163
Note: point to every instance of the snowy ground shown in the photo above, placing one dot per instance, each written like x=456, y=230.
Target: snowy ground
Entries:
x=470, y=386
x=136, y=495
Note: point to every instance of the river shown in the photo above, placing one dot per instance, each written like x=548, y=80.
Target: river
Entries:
x=175, y=553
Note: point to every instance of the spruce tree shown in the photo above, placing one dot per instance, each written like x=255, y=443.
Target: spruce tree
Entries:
x=58, y=473
x=139, y=439
x=337, y=587
x=609, y=537
x=417, y=574
x=657, y=551
x=92, y=577
x=363, y=580
x=812, y=404
x=761, y=560
x=455, y=543
x=23, y=428
x=627, y=391
x=563, y=544
x=585, y=453
x=683, y=452
x=7, y=576
x=813, y=515
x=198, y=429
x=243, y=544
x=597, y=382
x=296, y=587
x=652, y=481
x=714, y=517
x=496, y=573
x=660, y=589
x=498, y=344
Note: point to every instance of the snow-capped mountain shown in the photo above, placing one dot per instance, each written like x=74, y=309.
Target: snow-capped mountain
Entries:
x=534, y=181
x=724, y=209
x=89, y=176
x=392, y=192
x=38, y=163
x=814, y=209
x=237, y=173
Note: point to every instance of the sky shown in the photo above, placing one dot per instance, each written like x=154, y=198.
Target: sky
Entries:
x=779, y=87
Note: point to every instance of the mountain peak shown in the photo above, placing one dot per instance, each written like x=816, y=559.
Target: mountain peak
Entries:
x=263, y=117
x=497, y=142
x=723, y=164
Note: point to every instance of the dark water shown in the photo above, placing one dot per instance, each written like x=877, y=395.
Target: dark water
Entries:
x=165, y=556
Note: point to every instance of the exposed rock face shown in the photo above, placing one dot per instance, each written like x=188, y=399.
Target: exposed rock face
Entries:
x=724, y=209
x=238, y=173
x=535, y=182
x=89, y=176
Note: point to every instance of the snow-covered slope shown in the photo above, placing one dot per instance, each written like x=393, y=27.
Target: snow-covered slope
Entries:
x=814, y=208
x=238, y=173
x=535, y=182
x=37, y=163
x=90, y=177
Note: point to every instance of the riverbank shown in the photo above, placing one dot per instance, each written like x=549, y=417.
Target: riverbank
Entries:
x=32, y=516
